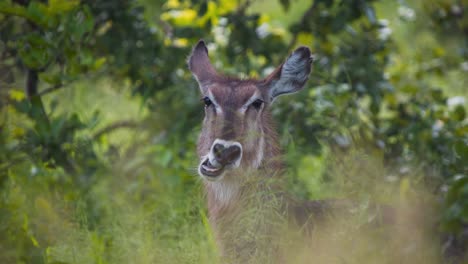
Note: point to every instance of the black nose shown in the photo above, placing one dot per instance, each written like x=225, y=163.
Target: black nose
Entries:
x=226, y=155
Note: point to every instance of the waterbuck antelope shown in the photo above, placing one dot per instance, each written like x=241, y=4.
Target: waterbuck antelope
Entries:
x=238, y=147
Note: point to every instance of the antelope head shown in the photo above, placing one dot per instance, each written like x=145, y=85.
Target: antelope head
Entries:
x=237, y=125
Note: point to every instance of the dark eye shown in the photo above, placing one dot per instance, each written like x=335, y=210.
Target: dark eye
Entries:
x=207, y=101
x=257, y=103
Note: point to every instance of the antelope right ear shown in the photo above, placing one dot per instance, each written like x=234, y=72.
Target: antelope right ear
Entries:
x=200, y=65
x=291, y=76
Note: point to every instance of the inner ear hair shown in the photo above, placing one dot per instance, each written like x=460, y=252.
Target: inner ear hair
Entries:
x=292, y=75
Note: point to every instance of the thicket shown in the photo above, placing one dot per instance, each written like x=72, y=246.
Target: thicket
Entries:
x=397, y=96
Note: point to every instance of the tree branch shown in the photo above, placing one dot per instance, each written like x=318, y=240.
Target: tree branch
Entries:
x=110, y=128
x=31, y=83
x=243, y=7
x=303, y=20
x=51, y=89
x=167, y=28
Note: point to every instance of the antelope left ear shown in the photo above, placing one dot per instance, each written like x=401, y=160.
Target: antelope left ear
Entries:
x=200, y=65
x=291, y=76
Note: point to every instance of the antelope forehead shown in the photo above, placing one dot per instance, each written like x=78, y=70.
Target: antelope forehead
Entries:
x=235, y=95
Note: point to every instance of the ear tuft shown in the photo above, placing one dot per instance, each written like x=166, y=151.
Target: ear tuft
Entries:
x=292, y=75
x=303, y=53
x=201, y=45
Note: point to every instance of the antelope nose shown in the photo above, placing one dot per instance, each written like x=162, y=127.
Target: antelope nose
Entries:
x=226, y=155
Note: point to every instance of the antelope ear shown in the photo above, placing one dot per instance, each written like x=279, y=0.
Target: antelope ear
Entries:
x=200, y=65
x=291, y=76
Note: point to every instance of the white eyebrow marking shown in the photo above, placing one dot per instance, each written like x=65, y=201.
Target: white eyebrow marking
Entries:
x=254, y=97
x=212, y=98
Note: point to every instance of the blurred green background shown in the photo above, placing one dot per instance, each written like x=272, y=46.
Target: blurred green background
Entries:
x=100, y=116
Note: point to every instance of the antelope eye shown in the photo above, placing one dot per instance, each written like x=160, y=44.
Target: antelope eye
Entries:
x=257, y=103
x=207, y=101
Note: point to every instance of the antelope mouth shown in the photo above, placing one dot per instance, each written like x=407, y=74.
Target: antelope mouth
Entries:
x=210, y=171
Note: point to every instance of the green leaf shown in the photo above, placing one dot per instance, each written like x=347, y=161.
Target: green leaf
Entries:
x=99, y=63
x=79, y=24
x=13, y=9
x=37, y=12
x=60, y=6
x=35, y=51
x=459, y=113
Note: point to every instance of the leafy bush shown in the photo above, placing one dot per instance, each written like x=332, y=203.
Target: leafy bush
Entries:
x=74, y=181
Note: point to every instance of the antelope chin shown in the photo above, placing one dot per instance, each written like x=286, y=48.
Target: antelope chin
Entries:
x=210, y=171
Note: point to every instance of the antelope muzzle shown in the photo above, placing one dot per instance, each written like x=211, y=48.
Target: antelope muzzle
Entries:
x=223, y=155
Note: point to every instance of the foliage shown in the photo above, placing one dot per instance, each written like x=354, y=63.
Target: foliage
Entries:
x=72, y=180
